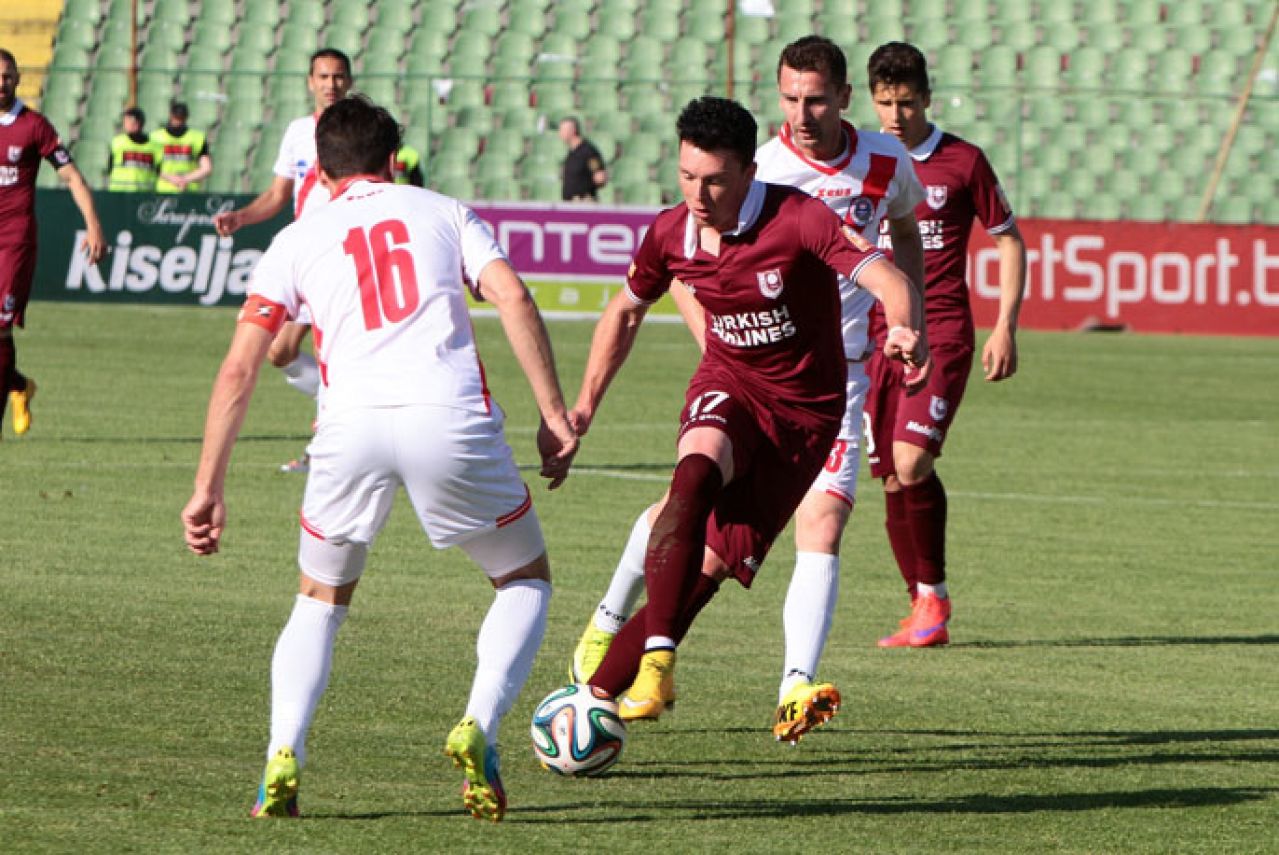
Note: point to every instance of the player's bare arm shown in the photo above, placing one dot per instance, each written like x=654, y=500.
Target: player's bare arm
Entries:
x=610, y=345
x=269, y=202
x=94, y=244
x=531, y=344
x=999, y=355
x=901, y=304
x=691, y=311
x=204, y=516
x=908, y=255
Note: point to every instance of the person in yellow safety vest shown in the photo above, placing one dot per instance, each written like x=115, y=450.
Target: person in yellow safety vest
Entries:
x=133, y=156
x=408, y=166
x=184, y=153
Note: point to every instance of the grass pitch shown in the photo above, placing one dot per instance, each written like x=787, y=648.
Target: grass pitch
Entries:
x=1111, y=686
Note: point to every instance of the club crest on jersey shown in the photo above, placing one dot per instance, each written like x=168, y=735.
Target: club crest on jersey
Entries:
x=770, y=283
x=936, y=196
x=861, y=210
x=15, y=153
x=937, y=408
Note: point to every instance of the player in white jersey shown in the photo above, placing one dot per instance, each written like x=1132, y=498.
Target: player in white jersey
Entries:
x=865, y=178
x=296, y=180
x=385, y=269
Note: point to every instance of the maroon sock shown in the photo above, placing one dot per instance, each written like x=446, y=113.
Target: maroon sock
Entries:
x=9, y=376
x=925, y=505
x=616, y=673
x=899, y=539
x=676, y=547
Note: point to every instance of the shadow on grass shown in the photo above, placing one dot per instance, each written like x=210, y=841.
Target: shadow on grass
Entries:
x=781, y=808
x=1121, y=641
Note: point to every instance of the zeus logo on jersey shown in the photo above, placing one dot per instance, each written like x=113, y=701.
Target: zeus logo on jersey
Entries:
x=753, y=329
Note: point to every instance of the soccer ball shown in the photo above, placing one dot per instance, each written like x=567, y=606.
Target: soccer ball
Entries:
x=577, y=731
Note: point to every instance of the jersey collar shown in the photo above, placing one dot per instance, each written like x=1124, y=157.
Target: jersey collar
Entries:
x=746, y=217
x=826, y=167
x=925, y=149
x=12, y=116
x=346, y=183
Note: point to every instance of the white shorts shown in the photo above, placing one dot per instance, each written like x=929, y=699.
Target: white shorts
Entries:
x=456, y=467
x=838, y=477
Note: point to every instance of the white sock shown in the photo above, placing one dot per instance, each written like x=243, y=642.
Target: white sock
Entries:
x=806, y=617
x=300, y=671
x=659, y=642
x=509, y=638
x=303, y=374
x=628, y=579
x=938, y=590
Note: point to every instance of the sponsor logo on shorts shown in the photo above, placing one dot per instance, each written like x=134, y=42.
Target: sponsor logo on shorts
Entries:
x=937, y=195
x=931, y=432
x=770, y=283
x=938, y=407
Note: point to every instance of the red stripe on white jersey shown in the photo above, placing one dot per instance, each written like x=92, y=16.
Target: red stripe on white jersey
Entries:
x=834, y=168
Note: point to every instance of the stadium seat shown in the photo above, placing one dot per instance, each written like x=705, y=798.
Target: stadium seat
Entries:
x=641, y=193
x=656, y=23
x=1086, y=69
x=1128, y=70
x=1101, y=206
x=1043, y=68
x=1234, y=210
x=954, y=67
x=1172, y=71
x=1147, y=209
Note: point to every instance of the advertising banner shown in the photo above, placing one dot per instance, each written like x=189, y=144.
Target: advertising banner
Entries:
x=1148, y=277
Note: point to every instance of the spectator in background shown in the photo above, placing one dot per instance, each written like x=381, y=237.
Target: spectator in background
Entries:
x=134, y=158
x=408, y=167
x=184, y=153
x=584, y=171
x=25, y=137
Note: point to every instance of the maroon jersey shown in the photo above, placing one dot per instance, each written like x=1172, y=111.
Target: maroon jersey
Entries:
x=959, y=184
x=25, y=137
x=771, y=299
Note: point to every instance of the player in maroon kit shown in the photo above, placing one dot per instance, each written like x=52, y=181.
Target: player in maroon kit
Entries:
x=907, y=433
x=765, y=402
x=25, y=138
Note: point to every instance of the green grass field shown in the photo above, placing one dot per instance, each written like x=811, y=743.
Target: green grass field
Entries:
x=1111, y=687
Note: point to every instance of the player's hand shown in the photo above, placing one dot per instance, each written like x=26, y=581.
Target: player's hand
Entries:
x=227, y=223
x=999, y=356
x=202, y=521
x=910, y=347
x=580, y=420
x=557, y=444
x=94, y=244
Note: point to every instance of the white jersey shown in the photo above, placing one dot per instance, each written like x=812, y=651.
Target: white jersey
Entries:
x=383, y=269
x=296, y=162
x=871, y=179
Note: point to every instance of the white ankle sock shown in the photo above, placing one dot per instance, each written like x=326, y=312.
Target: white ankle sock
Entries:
x=303, y=374
x=938, y=590
x=509, y=638
x=300, y=671
x=806, y=616
x=628, y=579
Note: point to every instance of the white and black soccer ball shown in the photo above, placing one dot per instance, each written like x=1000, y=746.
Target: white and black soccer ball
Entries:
x=577, y=731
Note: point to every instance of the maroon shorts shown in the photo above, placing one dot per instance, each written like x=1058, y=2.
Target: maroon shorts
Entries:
x=921, y=419
x=17, y=270
x=772, y=471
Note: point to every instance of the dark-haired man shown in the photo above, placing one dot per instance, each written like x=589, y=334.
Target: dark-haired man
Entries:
x=296, y=177
x=26, y=137
x=133, y=159
x=386, y=269
x=906, y=434
x=766, y=400
x=184, y=153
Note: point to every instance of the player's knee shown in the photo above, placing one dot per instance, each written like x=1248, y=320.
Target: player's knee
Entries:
x=713, y=567
x=538, y=569
x=913, y=465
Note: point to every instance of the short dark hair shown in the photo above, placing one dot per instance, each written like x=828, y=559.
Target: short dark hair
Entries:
x=5, y=56
x=896, y=63
x=136, y=113
x=179, y=109
x=718, y=124
x=815, y=53
x=330, y=53
x=354, y=136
